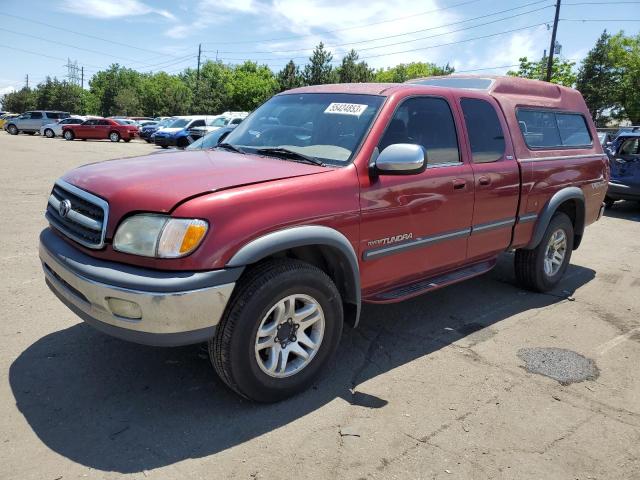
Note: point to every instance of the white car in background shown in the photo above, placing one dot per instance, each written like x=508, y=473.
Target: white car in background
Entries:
x=51, y=130
x=226, y=119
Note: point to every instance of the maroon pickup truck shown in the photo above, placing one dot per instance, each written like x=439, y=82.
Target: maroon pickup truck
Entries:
x=323, y=198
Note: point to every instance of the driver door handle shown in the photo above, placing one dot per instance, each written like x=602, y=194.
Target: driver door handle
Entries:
x=459, y=183
x=484, y=180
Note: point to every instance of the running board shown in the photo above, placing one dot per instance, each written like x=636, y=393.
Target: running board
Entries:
x=426, y=285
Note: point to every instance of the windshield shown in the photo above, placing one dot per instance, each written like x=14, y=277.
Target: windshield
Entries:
x=179, y=123
x=218, y=122
x=209, y=141
x=120, y=121
x=327, y=126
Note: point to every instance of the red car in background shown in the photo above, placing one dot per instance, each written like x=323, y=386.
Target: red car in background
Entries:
x=100, y=129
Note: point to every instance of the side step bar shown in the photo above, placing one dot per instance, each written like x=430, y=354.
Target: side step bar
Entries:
x=426, y=285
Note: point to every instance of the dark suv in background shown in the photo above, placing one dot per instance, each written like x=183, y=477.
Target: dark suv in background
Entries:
x=30, y=122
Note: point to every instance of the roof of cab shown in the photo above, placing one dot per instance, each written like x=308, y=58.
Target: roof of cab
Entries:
x=507, y=90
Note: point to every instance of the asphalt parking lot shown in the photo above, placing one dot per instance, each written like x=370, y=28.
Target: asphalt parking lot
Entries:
x=442, y=386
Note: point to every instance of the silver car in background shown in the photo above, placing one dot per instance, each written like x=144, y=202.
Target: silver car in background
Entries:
x=51, y=130
x=30, y=122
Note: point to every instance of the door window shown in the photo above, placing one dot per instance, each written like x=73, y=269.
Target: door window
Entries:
x=103, y=123
x=197, y=123
x=485, y=132
x=630, y=148
x=36, y=115
x=425, y=121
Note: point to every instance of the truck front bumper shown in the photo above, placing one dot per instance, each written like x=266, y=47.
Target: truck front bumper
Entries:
x=152, y=307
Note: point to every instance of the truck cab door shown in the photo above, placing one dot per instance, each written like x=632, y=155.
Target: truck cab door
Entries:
x=496, y=177
x=415, y=226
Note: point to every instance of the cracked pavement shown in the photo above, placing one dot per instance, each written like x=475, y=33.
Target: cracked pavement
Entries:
x=429, y=388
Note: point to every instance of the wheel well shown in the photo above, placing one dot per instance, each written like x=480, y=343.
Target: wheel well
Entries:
x=330, y=261
x=575, y=211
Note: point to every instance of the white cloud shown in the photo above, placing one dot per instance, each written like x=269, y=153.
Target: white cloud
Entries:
x=107, y=9
x=7, y=89
x=212, y=12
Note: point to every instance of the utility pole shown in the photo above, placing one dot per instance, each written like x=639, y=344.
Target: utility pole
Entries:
x=553, y=41
x=198, y=75
x=27, y=80
x=82, y=77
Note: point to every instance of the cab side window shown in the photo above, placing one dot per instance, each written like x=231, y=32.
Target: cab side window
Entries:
x=36, y=115
x=425, y=121
x=485, y=132
x=630, y=148
x=197, y=123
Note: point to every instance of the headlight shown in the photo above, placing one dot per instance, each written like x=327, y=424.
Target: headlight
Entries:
x=159, y=236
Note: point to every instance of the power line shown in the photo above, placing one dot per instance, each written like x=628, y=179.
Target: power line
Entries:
x=95, y=37
x=600, y=20
x=416, y=31
x=351, y=28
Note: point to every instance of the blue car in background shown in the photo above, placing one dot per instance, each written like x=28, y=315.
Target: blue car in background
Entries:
x=624, y=160
x=210, y=140
x=146, y=131
x=177, y=134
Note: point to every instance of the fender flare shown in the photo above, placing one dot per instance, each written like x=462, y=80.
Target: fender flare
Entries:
x=306, y=236
x=558, y=198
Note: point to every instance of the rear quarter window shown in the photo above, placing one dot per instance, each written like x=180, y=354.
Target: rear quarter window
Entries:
x=547, y=129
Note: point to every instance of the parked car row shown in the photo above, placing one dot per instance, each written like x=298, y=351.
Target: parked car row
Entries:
x=184, y=130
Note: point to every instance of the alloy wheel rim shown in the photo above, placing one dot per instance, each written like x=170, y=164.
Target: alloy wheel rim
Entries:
x=113, y=137
x=555, y=252
x=289, y=335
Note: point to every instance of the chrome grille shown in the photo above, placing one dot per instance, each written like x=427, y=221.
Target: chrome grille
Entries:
x=83, y=216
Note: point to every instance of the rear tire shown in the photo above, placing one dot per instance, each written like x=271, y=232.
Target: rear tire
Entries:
x=12, y=129
x=542, y=268
x=274, y=297
x=114, y=137
x=49, y=133
x=68, y=135
x=127, y=140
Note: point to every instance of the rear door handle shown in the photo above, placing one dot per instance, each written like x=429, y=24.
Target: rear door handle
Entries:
x=459, y=183
x=484, y=180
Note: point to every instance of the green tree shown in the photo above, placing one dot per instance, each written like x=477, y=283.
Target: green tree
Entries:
x=250, y=86
x=352, y=71
x=289, y=77
x=319, y=70
x=212, y=93
x=561, y=71
x=406, y=71
x=127, y=102
x=19, y=101
x=625, y=53
x=162, y=94
x=106, y=85
x=599, y=80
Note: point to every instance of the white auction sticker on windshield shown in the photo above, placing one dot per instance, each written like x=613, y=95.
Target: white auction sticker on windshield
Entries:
x=354, y=109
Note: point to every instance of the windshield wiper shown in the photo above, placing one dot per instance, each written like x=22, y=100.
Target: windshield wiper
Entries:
x=229, y=146
x=292, y=154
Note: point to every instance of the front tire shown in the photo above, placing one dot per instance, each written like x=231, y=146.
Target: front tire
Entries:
x=68, y=135
x=114, y=137
x=12, y=129
x=49, y=133
x=542, y=268
x=280, y=330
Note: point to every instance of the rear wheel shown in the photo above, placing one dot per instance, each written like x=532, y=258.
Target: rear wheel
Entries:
x=280, y=330
x=541, y=268
x=127, y=140
x=12, y=129
x=114, y=136
x=68, y=135
x=49, y=133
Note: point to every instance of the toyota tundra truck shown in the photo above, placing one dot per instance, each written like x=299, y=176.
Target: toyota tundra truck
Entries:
x=325, y=197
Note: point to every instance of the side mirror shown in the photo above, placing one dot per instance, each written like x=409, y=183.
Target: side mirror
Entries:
x=401, y=159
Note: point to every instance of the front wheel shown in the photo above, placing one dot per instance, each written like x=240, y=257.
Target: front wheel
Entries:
x=114, y=136
x=541, y=268
x=12, y=129
x=49, y=133
x=68, y=135
x=280, y=330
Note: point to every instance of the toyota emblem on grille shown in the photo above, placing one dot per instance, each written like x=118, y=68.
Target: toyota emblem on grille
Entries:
x=64, y=208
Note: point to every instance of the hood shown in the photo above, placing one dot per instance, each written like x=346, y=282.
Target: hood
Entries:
x=169, y=130
x=156, y=183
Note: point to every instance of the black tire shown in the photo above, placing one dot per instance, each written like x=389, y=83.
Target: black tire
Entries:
x=164, y=146
x=49, y=133
x=68, y=135
x=608, y=202
x=529, y=264
x=12, y=129
x=232, y=349
x=114, y=137
x=182, y=143
x=127, y=140
x=30, y=133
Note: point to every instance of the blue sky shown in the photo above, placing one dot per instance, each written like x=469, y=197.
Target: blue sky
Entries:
x=164, y=35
